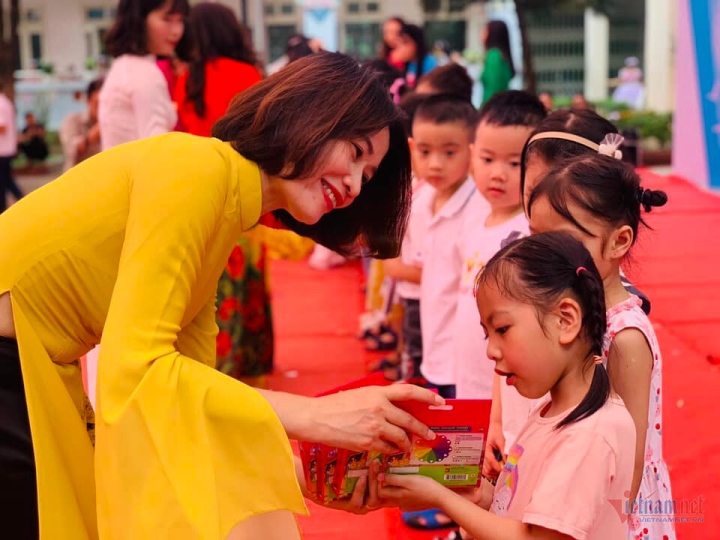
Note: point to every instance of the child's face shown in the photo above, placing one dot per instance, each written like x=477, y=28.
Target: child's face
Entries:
x=525, y=353
x=534, y=171
x=600, y=244
x=496, y=164
x=441, y=153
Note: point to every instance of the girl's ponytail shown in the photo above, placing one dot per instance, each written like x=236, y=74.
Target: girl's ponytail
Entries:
x=591, y=293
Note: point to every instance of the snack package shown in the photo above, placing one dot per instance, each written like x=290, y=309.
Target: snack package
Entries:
x=309, y=456
x=454, y=458
x=351, y=467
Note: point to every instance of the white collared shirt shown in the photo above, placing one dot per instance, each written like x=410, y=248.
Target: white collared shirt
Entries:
x=442, y=270
x=411, y=252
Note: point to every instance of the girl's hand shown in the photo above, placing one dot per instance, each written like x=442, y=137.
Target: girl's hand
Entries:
x=411, y=491
x=367, y=419
x=495, y=441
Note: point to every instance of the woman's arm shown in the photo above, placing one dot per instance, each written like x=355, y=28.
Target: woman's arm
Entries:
x=362, y=419
x=630, y=364
x=171, y=431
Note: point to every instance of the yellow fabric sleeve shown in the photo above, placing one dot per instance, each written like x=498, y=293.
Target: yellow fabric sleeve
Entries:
x=197, y=340
x=182, y=450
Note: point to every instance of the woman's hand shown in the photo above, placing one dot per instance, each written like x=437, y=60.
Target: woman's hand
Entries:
x=411, y=491
x=495, y=443
x=367, y=419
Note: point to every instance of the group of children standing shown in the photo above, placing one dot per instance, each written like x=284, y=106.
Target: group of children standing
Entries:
x=511, y=282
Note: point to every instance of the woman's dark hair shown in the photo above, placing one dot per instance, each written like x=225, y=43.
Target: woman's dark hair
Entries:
x=298, y=46
x=214, y=32
x=498, y=37
x=581, y=122
x=128, y=34
x=284, y=125
x=94, y=86
x=542, y=269
x=450, y=79
x=417, y=34
x=386, y=50
x=388, y=74
x=605, y=187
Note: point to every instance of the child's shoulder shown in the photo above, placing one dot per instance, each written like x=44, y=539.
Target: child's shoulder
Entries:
x=611, y=422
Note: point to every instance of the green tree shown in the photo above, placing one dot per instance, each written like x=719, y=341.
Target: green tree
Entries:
x=9, y=43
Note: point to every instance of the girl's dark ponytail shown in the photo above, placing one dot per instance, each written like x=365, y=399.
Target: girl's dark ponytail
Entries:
x=591, y=293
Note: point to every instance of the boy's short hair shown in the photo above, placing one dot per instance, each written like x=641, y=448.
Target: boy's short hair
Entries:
x=409, y=103
x=512, y=108
x=445, y=109
x=450, y=79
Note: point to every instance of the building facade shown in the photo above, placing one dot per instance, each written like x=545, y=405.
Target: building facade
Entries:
x=67, y=35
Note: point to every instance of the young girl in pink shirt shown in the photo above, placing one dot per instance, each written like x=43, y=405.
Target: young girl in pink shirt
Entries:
x=542, y=308
x=599, y=200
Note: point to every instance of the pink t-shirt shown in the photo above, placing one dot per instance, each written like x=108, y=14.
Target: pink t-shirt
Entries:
x=574, y=479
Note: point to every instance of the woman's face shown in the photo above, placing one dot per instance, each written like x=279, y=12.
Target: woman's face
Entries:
x=406, y=49
x=391, y=33
x=164, y=30
x=344, y=168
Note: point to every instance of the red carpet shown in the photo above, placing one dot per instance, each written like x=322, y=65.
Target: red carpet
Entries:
x=676, y=263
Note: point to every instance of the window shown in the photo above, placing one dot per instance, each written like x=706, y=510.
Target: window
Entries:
x=33, y=15
x=373, y=7
x=278, y=35
x=361, y=40
x=287, y=9
x=94, y=14
x=456, y=6
x=451, y=32
x=35, y=47
x=269, y=9
x=353, y=7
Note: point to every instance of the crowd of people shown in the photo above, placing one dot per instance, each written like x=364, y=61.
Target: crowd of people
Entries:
x=500, y=232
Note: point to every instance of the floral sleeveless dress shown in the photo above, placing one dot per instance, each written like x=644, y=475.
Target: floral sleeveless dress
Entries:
x=652, y=518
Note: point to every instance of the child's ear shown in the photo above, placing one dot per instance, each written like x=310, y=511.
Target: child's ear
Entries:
x=569, y=320
x=411, y=144
x=620, y=242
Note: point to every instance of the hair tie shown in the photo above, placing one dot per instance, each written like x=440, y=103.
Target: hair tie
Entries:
x=597, y=360
x=580, y=270
x=610, y=145
x=643, y=198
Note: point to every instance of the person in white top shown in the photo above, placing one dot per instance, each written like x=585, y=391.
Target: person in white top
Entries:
x=494, y=218
x=135, y=102
x=442, y=131
x=8, y=147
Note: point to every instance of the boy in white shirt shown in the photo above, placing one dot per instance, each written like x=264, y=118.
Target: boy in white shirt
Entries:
x=442, y=132
x=8, y=147
x=494, y=217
